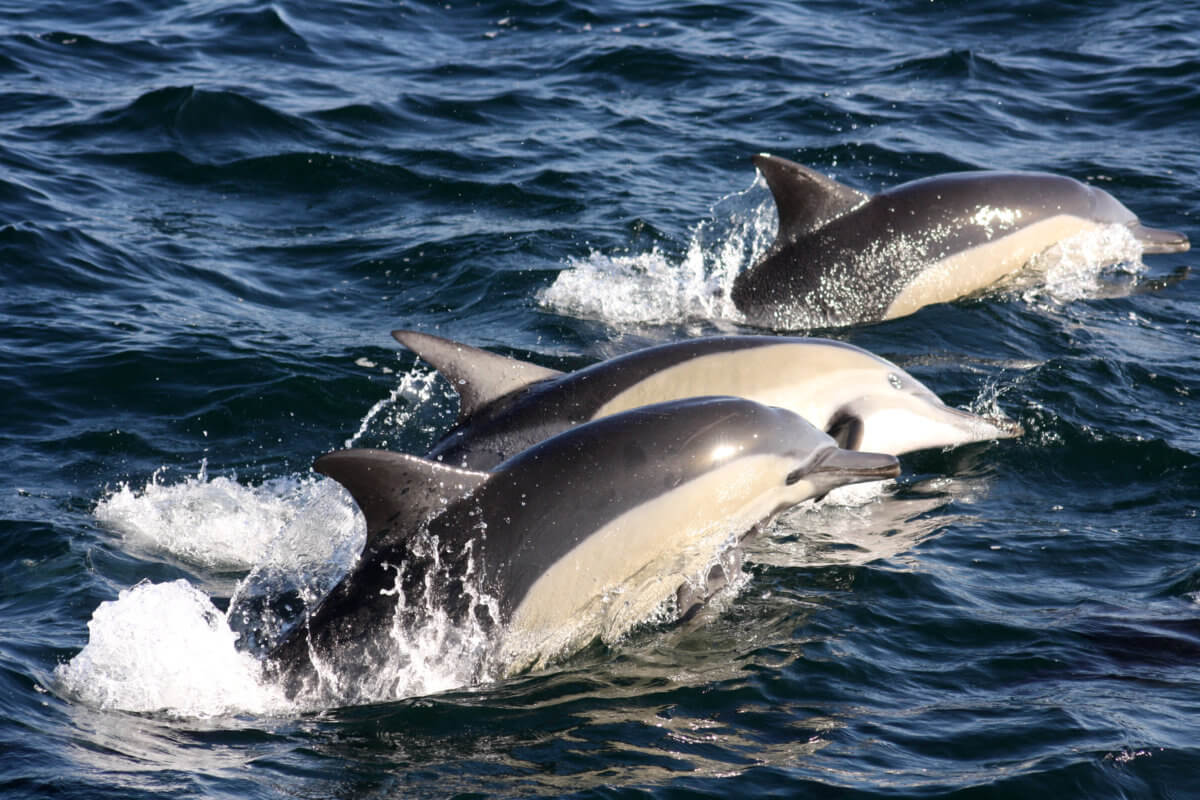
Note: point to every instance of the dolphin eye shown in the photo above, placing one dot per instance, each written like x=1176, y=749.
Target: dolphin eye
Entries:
x=794, y=477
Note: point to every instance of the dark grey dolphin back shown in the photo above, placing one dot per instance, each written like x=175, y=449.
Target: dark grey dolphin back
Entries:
x=397, y=492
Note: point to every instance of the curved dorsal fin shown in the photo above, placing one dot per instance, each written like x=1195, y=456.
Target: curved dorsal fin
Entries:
x=478, y=376
x=806, y=199
x=397, y=491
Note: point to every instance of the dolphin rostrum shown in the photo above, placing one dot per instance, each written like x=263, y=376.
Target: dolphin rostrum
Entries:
x=581, y=536
x=842, y=257
x=863, y=401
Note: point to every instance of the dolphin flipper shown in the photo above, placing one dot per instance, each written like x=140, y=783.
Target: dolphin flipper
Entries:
x=806, y=199
x=397, y=492
x=477, y=375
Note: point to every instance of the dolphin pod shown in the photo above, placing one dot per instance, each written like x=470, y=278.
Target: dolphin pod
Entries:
x=842, y=257
x=579, y=536
x=865, y=402
x=563, y=507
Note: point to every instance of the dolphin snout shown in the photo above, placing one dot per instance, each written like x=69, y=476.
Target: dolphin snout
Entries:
x=1159, y=240
x=855, y=466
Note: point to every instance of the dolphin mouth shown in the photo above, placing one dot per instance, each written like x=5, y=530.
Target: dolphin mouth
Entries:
x=1159, y=240
x=855, y=466
x=983, y=427
x=1008, y=428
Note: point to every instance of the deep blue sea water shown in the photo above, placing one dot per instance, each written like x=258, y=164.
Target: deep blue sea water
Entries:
x=213, y=213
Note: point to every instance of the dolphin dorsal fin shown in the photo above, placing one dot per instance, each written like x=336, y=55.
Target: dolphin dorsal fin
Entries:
x=477, y=375
x=806, y=199
x=397, y=491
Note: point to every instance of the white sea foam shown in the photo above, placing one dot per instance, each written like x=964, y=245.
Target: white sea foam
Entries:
x=1074, y=268
x=654, y=288
x=218, y=523
x=428, y=652
x=286, y=523
x=166, y=648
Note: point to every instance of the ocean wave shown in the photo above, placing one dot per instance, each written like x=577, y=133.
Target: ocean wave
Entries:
x=222, y=125
x=212, y=213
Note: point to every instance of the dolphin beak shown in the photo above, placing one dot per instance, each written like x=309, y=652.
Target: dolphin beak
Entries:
x=838, y=467
x=920, y=422
x=979, y=428
x=1159, y=240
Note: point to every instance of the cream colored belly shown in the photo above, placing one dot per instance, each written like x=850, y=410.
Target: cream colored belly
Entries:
x=979, y=267
x=621, y=574
x=805, y=378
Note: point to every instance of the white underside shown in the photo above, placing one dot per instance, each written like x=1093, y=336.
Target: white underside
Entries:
x=981, y=266
x=622, y=574
x=815, y=380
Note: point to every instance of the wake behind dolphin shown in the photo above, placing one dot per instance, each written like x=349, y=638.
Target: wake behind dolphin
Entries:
x=579, y=537
x=842, y=257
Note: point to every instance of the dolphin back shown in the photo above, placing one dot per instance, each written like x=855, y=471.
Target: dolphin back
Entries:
x=931, y=240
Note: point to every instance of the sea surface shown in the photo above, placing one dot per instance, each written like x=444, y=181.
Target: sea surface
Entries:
x=213, y=213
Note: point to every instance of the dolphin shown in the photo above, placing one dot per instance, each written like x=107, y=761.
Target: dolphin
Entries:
x=583, y=535
x=842, y=257
x=863, y=401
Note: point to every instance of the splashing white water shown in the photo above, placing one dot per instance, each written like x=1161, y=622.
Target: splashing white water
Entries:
x=652, y=288
x=284, y=523
x=427, y=651
x=1073, y=269
x=218, y=523
x=166, y=648
x=406, y=409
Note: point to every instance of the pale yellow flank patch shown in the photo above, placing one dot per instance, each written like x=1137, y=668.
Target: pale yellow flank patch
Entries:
x=799, y=377
x=621, y=574
x=979, y=267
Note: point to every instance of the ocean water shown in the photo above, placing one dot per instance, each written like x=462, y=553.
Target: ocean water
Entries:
x=213, y=213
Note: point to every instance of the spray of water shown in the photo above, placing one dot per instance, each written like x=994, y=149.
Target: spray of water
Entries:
x=167, y=647
x=655, y=288
x=1075, y=268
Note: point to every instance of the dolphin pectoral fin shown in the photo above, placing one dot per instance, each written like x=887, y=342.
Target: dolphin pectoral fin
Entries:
x=397, y=491
x=806, y=199
x=477, y=375
x=1159, y=240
